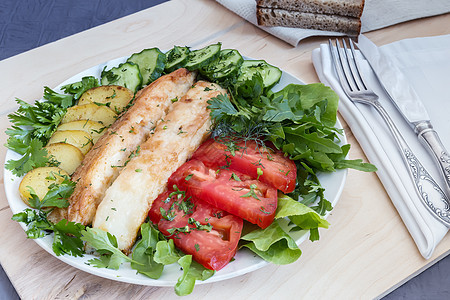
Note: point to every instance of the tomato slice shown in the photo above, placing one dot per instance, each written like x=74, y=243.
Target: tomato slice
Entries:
x=269, y=166
x=232, y=191
x=209, y=234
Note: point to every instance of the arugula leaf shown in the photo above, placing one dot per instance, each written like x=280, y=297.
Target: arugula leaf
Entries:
x=106, y=244
x=144, y=253
x=192, y=271
x=311, y=95
x=166, y=253
x=357, y=164
x=153, y=252
x=310, y=190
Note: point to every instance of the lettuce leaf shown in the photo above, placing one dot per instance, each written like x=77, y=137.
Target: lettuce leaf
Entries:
x=300, y=214
x=274, y=243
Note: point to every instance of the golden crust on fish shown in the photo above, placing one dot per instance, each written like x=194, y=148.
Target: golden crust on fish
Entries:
x=128, y=200
x=104, y=162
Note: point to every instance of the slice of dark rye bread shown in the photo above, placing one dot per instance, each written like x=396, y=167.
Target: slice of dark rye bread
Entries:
x=350, y=8
x=284, y=18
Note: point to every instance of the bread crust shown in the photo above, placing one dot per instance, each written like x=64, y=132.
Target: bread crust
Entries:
x=103, y=163
x=350, y=8
x=285, y=18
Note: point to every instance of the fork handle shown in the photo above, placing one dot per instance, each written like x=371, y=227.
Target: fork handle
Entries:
x=429, y=137
x=425, y=186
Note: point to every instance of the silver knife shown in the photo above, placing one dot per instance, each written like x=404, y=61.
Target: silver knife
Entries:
x=413, y=110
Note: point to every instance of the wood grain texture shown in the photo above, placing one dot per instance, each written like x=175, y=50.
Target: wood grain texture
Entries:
x=366, y=251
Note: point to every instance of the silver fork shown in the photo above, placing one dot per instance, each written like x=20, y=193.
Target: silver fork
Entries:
x=352, y=82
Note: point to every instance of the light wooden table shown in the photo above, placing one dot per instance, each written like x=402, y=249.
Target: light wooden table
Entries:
x=365, y=253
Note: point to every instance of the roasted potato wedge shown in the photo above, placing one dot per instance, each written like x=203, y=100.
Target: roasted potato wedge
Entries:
x=95, y=129
x=78, y=138
x=69, y=156
x=39, y=180
x=92, y=112
x=115, y=97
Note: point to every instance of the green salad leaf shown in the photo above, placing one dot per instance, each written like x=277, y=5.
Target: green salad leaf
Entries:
x=57, y=195
x=151, y=253
x=274, y=243
x=78, y=88
x=33, y=156
x=33, y=125
x=144, y=252
x=66, y=238
x=192, y=271
x=106, y=245
x=166, y=252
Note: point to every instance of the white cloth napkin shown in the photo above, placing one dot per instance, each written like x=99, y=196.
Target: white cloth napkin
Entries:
x=425, y=63
x=377, y=14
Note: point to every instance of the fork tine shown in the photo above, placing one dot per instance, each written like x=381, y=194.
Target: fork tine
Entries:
x=334, y=50
x=359, y=77
x=346, y=68
x=351, y=67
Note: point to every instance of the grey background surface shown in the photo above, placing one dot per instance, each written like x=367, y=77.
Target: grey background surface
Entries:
x=27, y=24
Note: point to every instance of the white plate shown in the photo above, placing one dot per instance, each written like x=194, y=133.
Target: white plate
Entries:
x=245, y=261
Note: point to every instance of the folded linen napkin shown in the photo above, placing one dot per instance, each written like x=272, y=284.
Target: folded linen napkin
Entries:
x=424, y=63
x=377, y=14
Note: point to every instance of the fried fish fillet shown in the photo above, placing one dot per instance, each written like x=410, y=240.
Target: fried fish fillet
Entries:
x=104, y=162
x=128, y=200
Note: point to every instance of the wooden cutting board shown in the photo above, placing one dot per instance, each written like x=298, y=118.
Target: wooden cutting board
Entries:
x=367, y=250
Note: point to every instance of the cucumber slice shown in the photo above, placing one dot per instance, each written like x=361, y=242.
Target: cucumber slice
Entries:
x=151, y=63
x=176, y=58
x=201, y=57
x=270, y=74
x=126, y=75
x=228, y=63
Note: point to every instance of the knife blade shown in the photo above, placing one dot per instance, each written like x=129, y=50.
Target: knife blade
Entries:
x=408, y=103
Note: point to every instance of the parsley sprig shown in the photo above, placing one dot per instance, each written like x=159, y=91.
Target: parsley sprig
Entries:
x=33, y=125
x=66, y=235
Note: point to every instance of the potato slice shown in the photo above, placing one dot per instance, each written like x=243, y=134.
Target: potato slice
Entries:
x=115, y=97
x=95, y=129
x=78, y=138
x=92, y=112
x=69, y=156
x=39, y=180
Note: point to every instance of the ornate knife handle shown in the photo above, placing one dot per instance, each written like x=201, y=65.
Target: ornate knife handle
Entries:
x=425, y=186
x=429, y=137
